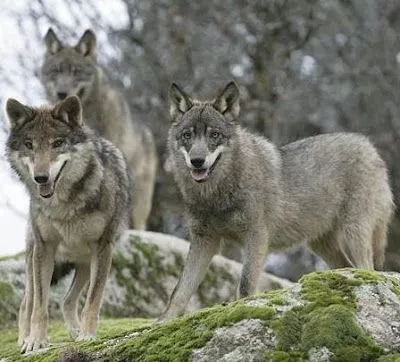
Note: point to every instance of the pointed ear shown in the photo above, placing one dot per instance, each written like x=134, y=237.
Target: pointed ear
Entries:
x=18, y=113
x=53, y=45
x=69, y=111
x=87, y=44
x=179, y=101
x=228, y=100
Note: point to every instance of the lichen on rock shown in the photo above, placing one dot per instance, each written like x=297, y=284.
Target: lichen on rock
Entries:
x=320, y=319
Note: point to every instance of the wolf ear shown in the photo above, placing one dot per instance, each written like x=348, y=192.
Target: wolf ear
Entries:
x=228, y=100
x=180, y=102
x=18, y=113
x=87, y=44
x=69, y=111
x=53, y=45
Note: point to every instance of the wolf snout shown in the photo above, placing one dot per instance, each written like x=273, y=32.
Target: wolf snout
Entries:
x=197, y=162
x=62, y=95
x=41, y=179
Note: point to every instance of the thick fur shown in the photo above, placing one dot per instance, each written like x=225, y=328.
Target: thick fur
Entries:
x=73, y=70
x=76, y=215
x=331, y=191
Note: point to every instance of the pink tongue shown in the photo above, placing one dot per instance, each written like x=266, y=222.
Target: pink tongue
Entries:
x=46, y=189
x=199, y=175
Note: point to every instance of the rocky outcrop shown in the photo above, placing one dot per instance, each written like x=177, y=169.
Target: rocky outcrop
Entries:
x=345, y=315
x=146, y=268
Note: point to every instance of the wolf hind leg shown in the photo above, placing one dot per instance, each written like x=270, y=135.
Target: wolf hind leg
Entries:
x=379, y=240
x=327, y=248
x=355, y=241
x=71, y=299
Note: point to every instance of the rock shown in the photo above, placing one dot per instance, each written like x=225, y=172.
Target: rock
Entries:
x=343, y=315
x=146, y=268
x=293, y=264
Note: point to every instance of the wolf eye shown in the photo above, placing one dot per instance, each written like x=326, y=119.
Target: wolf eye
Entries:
x=187, y=135
x=214, y=134
x=58, y=143
x=28, y=144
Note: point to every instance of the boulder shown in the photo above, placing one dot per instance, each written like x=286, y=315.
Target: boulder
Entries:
x=344, y=315
x=146, y=268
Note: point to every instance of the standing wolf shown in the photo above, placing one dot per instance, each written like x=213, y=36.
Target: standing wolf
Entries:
x=68, y=70
x=331, y=190
x=79, y=190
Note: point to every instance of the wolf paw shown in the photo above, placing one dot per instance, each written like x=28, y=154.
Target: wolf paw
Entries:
x=85, y=337
x=73, y=332
x=33, y=344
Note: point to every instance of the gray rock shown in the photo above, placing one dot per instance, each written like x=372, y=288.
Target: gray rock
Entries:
x=146, y=268
x=246, y=340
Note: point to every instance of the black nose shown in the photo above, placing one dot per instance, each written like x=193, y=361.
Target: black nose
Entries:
x=41, y=179
x=197, y=162
x=61, y=95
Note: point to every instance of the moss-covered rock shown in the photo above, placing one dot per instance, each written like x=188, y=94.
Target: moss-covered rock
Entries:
x=146, y=268
x=323, y=318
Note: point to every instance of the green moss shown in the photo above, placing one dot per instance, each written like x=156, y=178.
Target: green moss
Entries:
x=289, y=329
x=326, y=288
x=59, y=337
x=338, y=331
x=9, y=303
x=326, y=319
x=390, y=358
x=368, y=276
x=281, y=356
x=174, y=341
x=146, y=265
x=10, y=257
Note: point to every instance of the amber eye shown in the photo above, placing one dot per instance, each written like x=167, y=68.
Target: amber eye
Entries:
x=58, y=143
x=187, y=135
x=214, y=134
x=28, y=144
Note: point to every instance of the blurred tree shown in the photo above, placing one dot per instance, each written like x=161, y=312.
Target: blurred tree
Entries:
x=304, y=67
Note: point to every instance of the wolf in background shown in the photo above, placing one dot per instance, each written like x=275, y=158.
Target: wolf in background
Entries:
x=79, y=190
x=74, y=70
x=331, y=191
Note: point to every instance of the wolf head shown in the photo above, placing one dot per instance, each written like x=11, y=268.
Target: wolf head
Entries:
x=41, y=141
x=69, y=70
x=201, y=132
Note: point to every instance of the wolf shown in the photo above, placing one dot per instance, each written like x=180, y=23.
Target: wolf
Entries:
x=74, y=70
x=330, y=191
x=79, y=188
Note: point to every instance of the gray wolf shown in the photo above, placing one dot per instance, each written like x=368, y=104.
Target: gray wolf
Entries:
x=74, y=70
x=79, y=191
x=331, y=191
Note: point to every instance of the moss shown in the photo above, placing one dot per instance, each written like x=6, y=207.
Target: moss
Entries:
x=174, y=341
x=339, y=332
x=368, y=276
x=146, y=265
x=390, y=358
x=289, y=329
x=59, y=337
x=12, y=257
x=325, y=288
x=281, y=356
x=327, y=318
x=8, y=305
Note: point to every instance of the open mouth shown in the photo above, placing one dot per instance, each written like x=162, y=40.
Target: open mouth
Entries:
x=47, y=190
x=202, y=174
